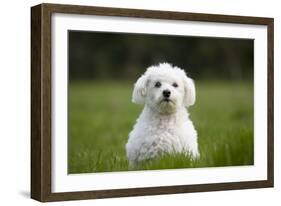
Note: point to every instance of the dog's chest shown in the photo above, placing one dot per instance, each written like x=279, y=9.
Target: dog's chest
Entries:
x=164, y=135
x=168, y=126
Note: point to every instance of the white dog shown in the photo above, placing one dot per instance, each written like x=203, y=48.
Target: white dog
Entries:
x=164, y=125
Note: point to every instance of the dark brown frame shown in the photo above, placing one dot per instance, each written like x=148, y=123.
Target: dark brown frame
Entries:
x=41, y=101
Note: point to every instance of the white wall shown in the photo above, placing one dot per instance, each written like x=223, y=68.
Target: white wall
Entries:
x=15, y=101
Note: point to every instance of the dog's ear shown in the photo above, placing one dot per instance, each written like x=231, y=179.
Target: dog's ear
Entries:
x=139, y=92
x=189, y=91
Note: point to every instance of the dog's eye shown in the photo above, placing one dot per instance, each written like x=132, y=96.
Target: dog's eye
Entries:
x=175, y=85
x=157, y=84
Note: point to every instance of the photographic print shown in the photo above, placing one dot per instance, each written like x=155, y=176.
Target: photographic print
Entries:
x=128, y=102
x=150, y=102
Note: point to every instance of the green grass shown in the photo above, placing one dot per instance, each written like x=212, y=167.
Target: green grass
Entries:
x=101, y=115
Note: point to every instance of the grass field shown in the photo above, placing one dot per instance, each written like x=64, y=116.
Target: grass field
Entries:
x=101, y=115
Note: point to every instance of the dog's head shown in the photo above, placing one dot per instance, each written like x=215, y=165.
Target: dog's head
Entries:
x=164, y=88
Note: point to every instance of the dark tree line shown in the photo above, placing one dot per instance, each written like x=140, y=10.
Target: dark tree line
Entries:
x=97, y=55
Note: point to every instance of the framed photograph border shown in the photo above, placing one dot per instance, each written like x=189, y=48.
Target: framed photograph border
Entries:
x=41, y=101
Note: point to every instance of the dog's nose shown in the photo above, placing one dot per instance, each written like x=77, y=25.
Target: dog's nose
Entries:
x=166, y=93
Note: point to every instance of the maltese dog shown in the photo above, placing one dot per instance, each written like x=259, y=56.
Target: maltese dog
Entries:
x=164, y=126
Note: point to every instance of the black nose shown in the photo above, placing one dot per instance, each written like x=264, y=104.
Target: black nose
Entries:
x=166, y=93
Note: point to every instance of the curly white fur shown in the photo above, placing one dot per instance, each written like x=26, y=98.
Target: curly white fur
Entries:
x=164, y=125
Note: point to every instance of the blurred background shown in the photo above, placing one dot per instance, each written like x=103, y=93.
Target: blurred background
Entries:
x=103, y=68
x=126, y=56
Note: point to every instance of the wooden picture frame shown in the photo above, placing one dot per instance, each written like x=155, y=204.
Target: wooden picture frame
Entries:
x=41, y=116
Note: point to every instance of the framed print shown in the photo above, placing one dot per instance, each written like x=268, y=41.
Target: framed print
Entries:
x=128, y=102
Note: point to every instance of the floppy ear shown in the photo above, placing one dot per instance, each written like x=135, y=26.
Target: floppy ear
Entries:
x=139, y=92
x=189, y=91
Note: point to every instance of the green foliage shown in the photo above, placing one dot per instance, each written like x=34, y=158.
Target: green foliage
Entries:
x=119, y=56
x=101, y=116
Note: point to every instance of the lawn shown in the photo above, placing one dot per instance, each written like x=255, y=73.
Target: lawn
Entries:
x=101, y=116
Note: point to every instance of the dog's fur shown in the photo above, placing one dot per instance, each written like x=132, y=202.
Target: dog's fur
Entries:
x=164, y=125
